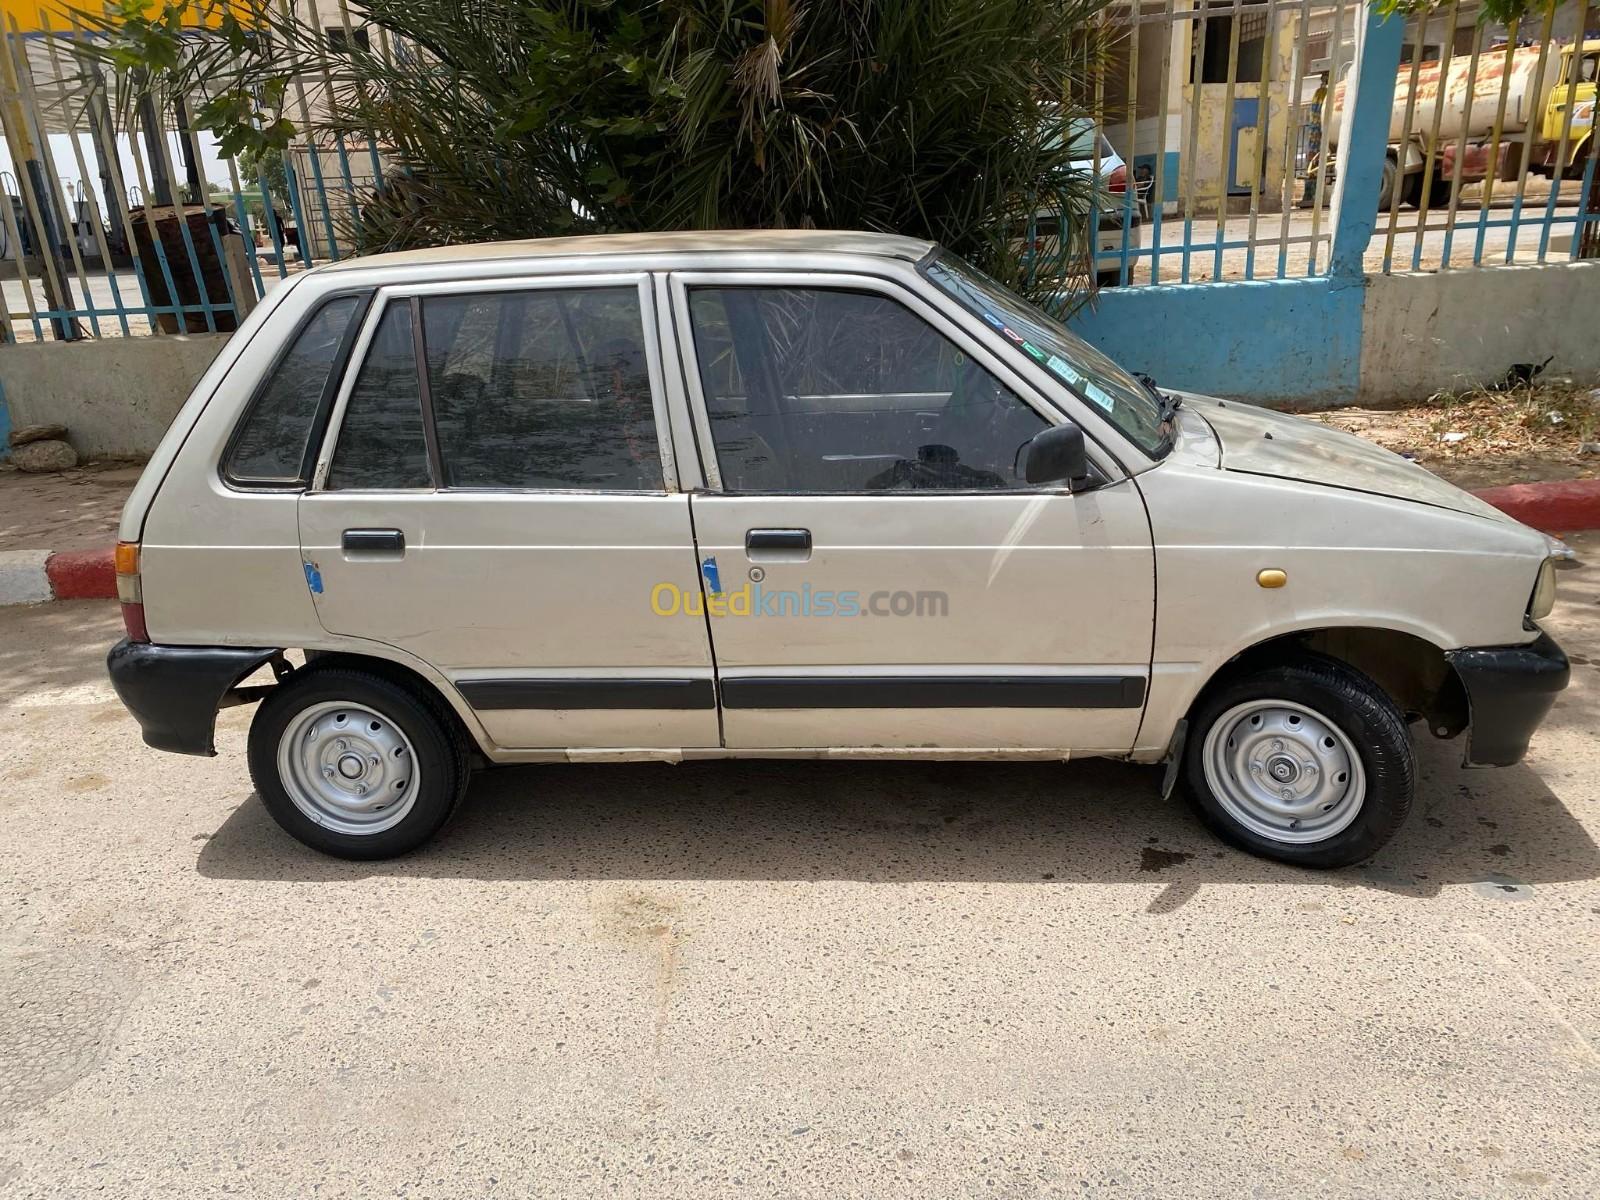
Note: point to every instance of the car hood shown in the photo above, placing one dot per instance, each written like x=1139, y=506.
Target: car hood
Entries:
x=1258, y=441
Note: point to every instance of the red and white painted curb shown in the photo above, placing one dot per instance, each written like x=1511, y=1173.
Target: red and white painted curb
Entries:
x=32, y=576
x=1567, y=506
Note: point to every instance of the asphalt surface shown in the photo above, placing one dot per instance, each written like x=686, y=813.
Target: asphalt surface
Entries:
x=792, y=979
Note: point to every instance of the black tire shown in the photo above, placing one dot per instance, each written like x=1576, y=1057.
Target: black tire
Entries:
x=440, y=750
x=1391, y=180
x=1411, y=190
x=1358, y=709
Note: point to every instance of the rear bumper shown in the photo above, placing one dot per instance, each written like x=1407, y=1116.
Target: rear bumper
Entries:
x=174, y=691
x=1509, y=691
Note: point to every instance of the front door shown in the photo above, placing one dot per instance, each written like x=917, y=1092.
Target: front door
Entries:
x=879, y=577
x=497, y=499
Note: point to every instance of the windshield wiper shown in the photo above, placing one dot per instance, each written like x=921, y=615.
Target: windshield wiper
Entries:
x=1169, y=404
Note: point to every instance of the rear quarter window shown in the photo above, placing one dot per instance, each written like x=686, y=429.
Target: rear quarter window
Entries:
x=272, y=444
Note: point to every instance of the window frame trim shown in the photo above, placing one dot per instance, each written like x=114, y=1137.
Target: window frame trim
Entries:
x=681, y=282
x=413, y=293
x=322, y=413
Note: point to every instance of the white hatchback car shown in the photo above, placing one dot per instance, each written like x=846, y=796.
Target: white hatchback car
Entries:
x=791, y=494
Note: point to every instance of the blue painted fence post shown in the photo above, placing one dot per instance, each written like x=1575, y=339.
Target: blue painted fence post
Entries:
x=1364, y=142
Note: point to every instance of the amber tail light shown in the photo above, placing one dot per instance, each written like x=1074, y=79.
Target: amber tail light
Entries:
x=130, y=592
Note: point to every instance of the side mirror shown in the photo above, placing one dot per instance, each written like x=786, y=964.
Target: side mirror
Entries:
x=1057, y=455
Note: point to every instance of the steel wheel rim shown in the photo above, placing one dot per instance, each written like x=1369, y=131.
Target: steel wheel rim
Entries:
x=1284, y=771
x=348, y=767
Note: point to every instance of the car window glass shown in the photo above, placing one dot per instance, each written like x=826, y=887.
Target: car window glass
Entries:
x=547, y=388
x=1030, y=332
x=270, y=446
x=381, y=443
x=828, y=390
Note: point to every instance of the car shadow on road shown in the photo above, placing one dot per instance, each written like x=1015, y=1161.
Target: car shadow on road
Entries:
x=1094, y=821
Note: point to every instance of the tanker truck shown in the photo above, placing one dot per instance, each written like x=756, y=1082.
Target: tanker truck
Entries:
x=1466, y=124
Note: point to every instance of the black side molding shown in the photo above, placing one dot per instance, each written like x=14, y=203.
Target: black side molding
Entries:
x=592, y=692
x=1509, y=691
x=174, y=691
x=934, y=691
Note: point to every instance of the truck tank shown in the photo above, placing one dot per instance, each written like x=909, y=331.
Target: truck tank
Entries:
x=1477, y=118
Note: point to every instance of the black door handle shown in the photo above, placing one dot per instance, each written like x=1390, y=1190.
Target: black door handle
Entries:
x=782, y=545
x=369, y=540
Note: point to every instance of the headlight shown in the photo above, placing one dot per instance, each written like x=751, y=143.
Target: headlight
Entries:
x=1544, y=591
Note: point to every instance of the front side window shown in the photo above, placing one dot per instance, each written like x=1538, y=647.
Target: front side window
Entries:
x=548, y=388
x=272, y=442
x=1094, y=378
x=381, y=443
x=825, y=390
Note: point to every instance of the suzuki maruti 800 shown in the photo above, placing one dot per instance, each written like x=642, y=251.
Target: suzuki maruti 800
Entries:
x=791, y=494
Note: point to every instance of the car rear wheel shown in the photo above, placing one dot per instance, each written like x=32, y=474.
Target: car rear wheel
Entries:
x=356, y=765
x=1305, y=760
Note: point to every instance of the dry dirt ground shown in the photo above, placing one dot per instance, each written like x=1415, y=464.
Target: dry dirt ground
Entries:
x=75, y=510
x=1487, y=438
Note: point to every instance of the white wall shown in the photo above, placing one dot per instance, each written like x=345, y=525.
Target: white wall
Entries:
x=116, y=396
x=1452, y=330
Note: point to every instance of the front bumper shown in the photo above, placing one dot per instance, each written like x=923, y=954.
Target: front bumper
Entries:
x=1509, y=691
x=174, y=691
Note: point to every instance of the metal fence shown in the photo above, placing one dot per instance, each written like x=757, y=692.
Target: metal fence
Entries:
x=1491, y=156
x=112, y=231
x=1217, y=141
x=1217, y=108
x=1230, y=113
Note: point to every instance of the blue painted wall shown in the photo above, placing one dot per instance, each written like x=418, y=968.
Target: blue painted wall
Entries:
x=5, y=426
x=1267, y=341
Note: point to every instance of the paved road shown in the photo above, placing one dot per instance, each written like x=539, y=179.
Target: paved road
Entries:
x=782, y=980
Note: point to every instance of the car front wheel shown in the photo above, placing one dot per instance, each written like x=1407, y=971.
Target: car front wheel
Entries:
x=1304, y=760
x=356, y=765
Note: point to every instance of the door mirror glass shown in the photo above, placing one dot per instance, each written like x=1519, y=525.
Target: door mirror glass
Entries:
x=1057, y=455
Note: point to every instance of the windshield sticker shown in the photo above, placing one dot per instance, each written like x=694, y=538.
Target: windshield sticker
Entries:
x=994, y=320
x=1015, y=337
x=1075, y=378
x=1097, y=395
x=1033, y=351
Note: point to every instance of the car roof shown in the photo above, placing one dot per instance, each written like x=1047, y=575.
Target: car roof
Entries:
x=735, y=241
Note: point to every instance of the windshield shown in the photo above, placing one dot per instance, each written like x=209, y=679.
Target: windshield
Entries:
x=1093, y=377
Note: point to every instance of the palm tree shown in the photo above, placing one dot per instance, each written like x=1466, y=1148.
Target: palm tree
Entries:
x=519, y=118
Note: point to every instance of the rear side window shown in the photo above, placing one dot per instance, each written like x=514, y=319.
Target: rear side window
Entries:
x=381, y=443
x=272, y=443
x=547, y=388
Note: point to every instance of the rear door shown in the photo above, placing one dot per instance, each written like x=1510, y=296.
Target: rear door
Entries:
x=497, y=498
x=881, y=577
